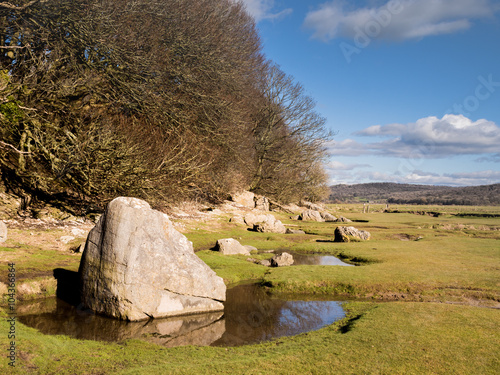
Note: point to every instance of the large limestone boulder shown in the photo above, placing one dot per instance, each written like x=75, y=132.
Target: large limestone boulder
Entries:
x=3, y=232
x=244, y=198
x=311, y=215
x=230, y=246
x=252, y=218
x=282, y=260
x=136, y=266
x=270, y=225
x=346, y=234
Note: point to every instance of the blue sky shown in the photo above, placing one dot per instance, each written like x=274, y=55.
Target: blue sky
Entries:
x=411, y=87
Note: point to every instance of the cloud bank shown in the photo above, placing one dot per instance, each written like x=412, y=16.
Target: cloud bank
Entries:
x=487, y=177
x=428, y=138
x=264, y=9
x=397, y=19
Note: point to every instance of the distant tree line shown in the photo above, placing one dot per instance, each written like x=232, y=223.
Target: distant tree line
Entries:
x=165, y=100
x=416, y=194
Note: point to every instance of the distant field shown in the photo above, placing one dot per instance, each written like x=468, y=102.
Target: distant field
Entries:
x=387, y=192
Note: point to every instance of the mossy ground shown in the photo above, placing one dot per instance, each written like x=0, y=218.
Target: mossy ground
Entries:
x=438, y=277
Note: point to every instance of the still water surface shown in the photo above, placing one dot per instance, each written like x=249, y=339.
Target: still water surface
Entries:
x=250, y=316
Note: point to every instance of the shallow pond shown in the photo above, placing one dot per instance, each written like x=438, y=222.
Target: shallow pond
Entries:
x=317, y=260
x=250, y=316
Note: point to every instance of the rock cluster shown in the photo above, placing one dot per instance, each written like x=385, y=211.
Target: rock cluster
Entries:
x=136, y=266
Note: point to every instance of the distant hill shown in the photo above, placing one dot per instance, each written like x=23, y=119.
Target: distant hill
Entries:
x=388, y=192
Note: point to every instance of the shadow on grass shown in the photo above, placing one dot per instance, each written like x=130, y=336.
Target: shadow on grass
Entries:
x=349, y=324
x=68, y=286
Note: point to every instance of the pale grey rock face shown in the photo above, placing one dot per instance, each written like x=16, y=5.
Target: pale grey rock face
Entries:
x=3, y=232
x=270, y=225
x=311, y=215
x=345, y=234
x=237, y=219
x=311, y=206
x=230, y=246
x=136, y=265
x=262, y=203
x=282, y=260
x=253, y=218
x=244, y=198
x=343, y=219
x=264, y=223
x=328, y=217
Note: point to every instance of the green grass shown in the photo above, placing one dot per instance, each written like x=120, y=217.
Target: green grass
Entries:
x=436, y=319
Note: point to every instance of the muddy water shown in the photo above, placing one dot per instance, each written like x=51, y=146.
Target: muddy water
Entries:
x=250, y=316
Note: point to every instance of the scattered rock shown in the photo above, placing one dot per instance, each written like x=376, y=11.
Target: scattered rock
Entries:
x=253, y=218
x=312, y=206
x=328, y=217
x=262, y=203
x=265, y=263
x=294, y=231
x=343, y=219
x=3, y=232
x=311, y=215
x=346, y=234
x=237, y=219
x=136, y=266
x=230, y=246
x=282, y=260
x=270, y=225
x=244, y=198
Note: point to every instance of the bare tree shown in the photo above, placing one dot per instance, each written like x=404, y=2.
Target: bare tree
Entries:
x=128, y=96
x=290, y=139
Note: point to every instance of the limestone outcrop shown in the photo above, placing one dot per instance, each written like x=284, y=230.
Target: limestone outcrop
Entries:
x=311, y=215
x=136, y=266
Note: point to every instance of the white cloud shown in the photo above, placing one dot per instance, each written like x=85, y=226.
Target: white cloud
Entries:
x=338, y=166
x=397, y=19
x=264, y=9
x=428, y=138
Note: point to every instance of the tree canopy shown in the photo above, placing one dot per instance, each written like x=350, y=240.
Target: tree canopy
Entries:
x=163, y=100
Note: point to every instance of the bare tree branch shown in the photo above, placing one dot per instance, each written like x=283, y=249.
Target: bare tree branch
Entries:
x=9, y=146
x=15, y=7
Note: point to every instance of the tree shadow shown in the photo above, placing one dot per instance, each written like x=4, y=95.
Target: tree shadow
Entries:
x=68, y=286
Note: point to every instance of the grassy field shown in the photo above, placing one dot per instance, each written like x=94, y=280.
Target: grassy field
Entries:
x=424, y=300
